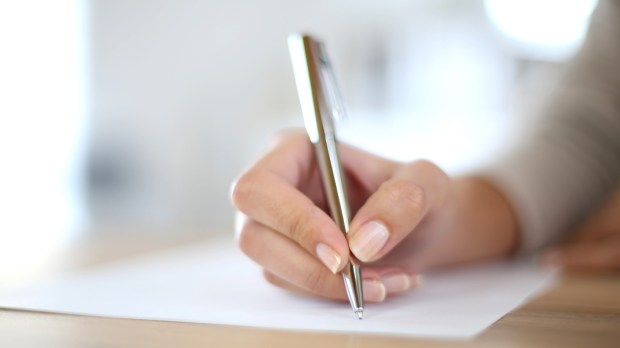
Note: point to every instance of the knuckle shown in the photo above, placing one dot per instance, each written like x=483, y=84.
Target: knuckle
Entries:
x=442, y=177
x=290, y=140
x=299, y=231
x=246, y=240
x=290, y=135
x=242, y=189
x=314, y=280
x=426, y=164
x=434, y=171
x=271, y=278
x=430, y=167
x=296, y=229
x=241, y=220
x=407, y=193
x=301, y=227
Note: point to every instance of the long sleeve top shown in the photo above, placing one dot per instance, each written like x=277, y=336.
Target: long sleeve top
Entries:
x=571, y=162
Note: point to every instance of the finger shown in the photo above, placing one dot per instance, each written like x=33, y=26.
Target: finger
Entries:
x=602, y=254
x=374, y=290
x=598, y=226
x=291, y=158
x=604, y=222
x=271, y=200
x=396, y=208
x=287, y=260
x=591, y=231
x=367, y=169
x=394, y=280
x=364, y=172
x=397, y=280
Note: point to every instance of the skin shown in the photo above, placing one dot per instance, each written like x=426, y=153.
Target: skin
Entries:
x=421, y=218
x=594, y=245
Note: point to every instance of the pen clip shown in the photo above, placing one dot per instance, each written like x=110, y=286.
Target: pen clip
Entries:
x=316, y=86
x=333, y=96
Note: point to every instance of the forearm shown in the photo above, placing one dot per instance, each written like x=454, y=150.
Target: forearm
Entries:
x=566, y=165
x=482, y=226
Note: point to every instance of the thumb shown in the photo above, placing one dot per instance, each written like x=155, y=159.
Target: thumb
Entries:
x=396, y=208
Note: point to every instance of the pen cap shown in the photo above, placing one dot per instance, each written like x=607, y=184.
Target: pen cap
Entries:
x=318, y=92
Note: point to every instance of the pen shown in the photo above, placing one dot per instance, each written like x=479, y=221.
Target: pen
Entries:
x=320, y=104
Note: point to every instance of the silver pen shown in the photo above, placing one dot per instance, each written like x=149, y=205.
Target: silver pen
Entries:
x=321, y=104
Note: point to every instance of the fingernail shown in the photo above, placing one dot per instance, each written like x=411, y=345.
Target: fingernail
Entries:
x=395, y=283
x=368, y=240
x=329, y=257
x=374, y=290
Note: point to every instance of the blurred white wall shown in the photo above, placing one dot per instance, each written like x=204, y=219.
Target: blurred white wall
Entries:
x=185, y=93
x=132, y=117
x=155, y=106
x=42, y=132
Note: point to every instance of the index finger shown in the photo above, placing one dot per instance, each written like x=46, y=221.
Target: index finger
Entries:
x=268, y=193
x=396, y=208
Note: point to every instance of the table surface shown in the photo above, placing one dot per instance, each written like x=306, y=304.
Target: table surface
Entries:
x=583, y=310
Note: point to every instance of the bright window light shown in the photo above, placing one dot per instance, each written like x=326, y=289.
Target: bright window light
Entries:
x=544, y=29
x=41, y=132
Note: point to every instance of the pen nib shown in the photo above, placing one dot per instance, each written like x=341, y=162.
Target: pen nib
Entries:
x=360, y=314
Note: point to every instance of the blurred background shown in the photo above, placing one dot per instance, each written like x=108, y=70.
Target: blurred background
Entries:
x=127, y=120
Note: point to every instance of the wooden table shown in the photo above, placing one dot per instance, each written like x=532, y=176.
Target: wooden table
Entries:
x=582, y=311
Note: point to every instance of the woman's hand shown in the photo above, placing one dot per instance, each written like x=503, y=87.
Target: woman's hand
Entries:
x=407, y=217
x=595, y=245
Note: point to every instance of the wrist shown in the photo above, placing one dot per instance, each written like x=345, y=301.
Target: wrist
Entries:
x=486, y=216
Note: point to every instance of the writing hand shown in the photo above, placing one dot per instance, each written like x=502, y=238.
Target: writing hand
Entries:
x=407, y=217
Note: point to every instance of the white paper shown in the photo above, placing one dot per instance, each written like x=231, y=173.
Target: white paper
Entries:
x=216, y=284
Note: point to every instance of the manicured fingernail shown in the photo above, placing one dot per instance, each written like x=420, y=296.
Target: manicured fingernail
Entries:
x=329, y=257
x=368, y=240
x=399, y=282
x=396, y=282
x=374, y=290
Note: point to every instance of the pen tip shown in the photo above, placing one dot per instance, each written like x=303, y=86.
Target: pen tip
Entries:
x=360, y=314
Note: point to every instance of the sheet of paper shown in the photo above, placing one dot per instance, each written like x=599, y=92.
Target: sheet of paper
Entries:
x=217, y=284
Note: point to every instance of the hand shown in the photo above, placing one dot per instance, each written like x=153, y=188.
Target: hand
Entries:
x=407, y=217
x=595, y=245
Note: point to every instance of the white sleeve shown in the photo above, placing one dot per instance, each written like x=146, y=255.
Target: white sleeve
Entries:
x=571, y=162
